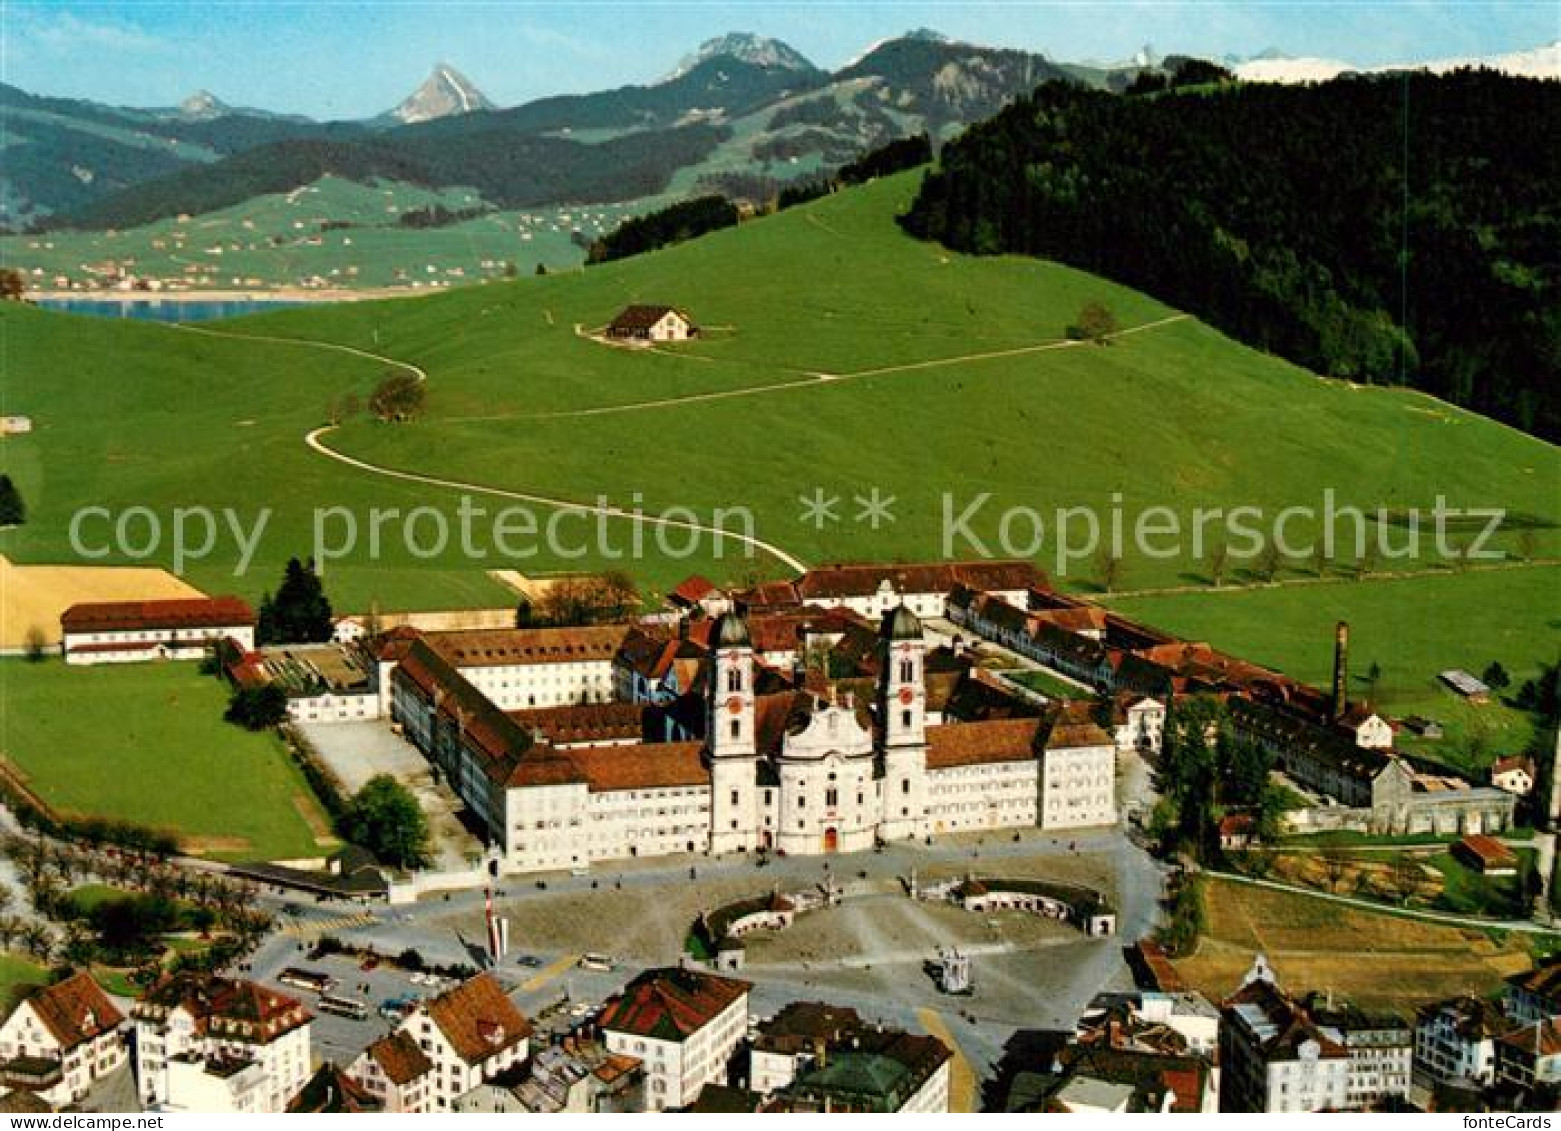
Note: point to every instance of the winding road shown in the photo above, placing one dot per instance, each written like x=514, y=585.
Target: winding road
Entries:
x=315, y=442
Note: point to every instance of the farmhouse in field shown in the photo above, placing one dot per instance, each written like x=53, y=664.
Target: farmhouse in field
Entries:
x=15, y=425
x=123, y=632
x=647, y=323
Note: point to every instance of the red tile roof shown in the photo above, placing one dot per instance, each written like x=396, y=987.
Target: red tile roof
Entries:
x=492, y=647
x=400, y=1058
x=228, y=1008
x=671, y=1004
x=74, y=1011
x=692, y=590
x=970, y=744
x=659, y=765
x=478, y=1019
x=137, y=616
x=864, y=579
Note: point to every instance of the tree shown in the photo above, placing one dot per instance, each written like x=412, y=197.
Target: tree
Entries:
x=400, y=396
x=1108, y=567
x=13, y=511
x=1373, y=679
x=541, y=270
x=1219, y=557
x=300, y=613
x=1496, y=677
x=1268, y=561
x=257, y=708
x=13, y=285
x=1095, y=323
x=35, y=645
x=385, y=818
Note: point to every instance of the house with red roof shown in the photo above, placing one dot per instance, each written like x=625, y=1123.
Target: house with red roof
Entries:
x=207, y=1043
x=470, y=1034
x=683, y=1025
x=125, y=632
x=60, y=1040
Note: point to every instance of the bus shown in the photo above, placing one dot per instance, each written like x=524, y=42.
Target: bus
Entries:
x=312, y=980
x=599, y=962
x=344, y=1007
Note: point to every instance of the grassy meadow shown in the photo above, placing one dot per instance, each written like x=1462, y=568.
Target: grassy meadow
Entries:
x=938, y=379
x=347, y=234
x=1411, y=628
x=146, y=743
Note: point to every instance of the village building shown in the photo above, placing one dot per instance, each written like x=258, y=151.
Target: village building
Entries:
x=575, y=1076
x=470, y=1034
x=650, y=323
x=1274, y=1057
x=874, y=588
x=1381, y=1048
x=1366, y=728
x=324, y=683
x=60, y=1040
x=15, y=425
x=878, y=1071
x=1515, y=775
x=1091, y=1078
x=1534, y=995
x=1529, y=1058
x=1455, y=1041
x=397, y=1074
x=522, y=668
x=119, y=632
x=683, y=1026
x=1177, y=1024
x=330, y=1091
x=206, y=1043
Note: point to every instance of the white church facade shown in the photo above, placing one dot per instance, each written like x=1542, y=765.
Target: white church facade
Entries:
x=800, y=772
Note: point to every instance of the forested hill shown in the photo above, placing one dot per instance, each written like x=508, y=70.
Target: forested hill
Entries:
x=1284, y=216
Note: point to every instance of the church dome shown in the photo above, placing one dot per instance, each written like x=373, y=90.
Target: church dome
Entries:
x=731, y=631
x=901, y=624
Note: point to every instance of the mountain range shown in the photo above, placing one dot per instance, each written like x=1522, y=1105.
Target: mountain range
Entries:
x=742, y=114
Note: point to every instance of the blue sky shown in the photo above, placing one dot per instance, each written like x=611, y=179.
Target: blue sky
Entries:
x=352, y=59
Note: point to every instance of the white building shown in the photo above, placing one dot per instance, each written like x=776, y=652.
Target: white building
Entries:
x=802, y=772
x=470, y=1034
x=1455, y=1041
x=875, y=588
x=398, y=1073
x=817, y=1057
x=682, y=1025
x=120, y=632
x=519, y=668
x=652, y=324
x=1273, y=1057
x=199, y=1036
x=60, y=1040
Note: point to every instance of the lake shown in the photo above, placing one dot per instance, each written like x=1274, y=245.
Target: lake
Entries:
x=166, y=309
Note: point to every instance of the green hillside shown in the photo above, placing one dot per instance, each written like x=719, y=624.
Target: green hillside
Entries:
x=341, y=233
x=880, y=342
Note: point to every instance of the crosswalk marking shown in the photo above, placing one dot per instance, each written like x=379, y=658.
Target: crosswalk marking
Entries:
x=304, y=927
